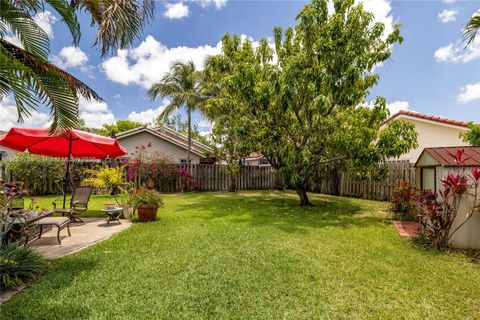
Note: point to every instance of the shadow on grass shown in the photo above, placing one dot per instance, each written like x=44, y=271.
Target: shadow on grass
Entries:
x=61, y=277
x=281, y=210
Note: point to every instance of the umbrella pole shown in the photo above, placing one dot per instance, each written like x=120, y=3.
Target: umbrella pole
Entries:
x=67, y=172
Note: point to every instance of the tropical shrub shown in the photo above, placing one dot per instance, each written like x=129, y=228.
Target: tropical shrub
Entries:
x=33, y=171
x=404, y=199
x=436, y=216
x=187, y=182
x=19, y=264
x=109, y=180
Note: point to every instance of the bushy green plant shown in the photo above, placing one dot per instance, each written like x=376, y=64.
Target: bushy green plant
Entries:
x=404, y=199
x=109, y=180
x=146, y=198
x=19, y=264
x=33, y=170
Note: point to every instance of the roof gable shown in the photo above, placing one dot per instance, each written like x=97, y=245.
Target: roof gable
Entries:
x=424, y=117
x=178, y=142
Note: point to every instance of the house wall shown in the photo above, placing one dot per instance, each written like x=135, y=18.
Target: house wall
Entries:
x=431, y=134
x=7, y=153
x=158, y=144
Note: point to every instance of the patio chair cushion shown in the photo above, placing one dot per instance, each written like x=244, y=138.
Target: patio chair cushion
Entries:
x=62, y=210
x=57, y=221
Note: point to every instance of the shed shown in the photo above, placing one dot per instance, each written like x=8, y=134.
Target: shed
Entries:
x=436, y=163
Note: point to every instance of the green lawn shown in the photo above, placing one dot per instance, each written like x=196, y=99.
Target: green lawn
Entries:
x=256, y=255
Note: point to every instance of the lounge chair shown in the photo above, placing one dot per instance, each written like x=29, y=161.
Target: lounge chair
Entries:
x=78, y=204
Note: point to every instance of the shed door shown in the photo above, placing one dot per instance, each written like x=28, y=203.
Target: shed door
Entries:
x=428, y=179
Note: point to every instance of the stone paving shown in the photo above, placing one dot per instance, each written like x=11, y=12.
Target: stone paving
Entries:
x=83, y=236
x=407, y=228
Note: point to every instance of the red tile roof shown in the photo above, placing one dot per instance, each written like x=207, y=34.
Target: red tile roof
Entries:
x=445, y=156
x=427, y=117
x=255, y=154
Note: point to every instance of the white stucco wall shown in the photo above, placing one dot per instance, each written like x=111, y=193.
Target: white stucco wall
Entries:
x=9, y=153
x=158, y=144
x=432, y=134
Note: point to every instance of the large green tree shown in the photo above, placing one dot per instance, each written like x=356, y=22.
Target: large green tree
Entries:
x=25, y=71
x=472, y=135
x=182, y=86
x=118, y=127
x=304, y=97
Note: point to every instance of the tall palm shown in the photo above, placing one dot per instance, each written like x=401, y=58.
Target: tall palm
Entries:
x=182, y=86
x=25, y=72
x=472, y=28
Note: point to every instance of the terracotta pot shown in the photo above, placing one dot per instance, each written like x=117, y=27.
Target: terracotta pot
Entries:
x=147, y=213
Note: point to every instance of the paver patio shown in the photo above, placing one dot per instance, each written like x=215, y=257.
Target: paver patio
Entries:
x=407, y=228
x=83, y=236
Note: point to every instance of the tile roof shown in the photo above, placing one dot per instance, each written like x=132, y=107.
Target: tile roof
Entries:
x=445, y=156
x=427, y=117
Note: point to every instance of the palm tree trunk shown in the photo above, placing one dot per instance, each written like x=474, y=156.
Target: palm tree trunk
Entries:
x=189, y=144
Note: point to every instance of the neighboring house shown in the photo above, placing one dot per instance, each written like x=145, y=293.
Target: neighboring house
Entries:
x=255, y=159
x=436, y=163
x=6, y=153
x=432, y=132
x=166, y=141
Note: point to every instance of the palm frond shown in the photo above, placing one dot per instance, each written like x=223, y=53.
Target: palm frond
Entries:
x=119, y=22
x=34, y=81
x=472, y=28
x=66, y=11
x=33, y=38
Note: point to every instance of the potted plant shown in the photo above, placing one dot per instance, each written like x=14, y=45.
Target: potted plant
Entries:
x=146, y=202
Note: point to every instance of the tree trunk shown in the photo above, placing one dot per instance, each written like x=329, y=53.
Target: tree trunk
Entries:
x=301, y=188
x=232, y=187
x=189, y=144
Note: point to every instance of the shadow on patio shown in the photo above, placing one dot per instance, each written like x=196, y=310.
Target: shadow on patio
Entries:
x=83, y=236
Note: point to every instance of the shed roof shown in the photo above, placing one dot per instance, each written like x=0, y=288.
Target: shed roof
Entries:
x=445, y=156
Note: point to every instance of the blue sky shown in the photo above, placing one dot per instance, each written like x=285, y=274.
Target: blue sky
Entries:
x=430, y=72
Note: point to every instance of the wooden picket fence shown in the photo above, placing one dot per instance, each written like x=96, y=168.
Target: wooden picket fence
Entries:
x=206, y=177
x=338, y=183
x=213, y=177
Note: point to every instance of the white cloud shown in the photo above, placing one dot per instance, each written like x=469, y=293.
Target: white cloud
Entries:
x=447, y=16
x=147, y=63
x=147, y=116
x=458, y=53
x=396, y=106
x=218, y=3
x=45, y=20
x=95, y=113
x=204, y=123
x=177, y=10
x=70, y=57
x=469, y=93
x=9, y=117
x=449, y=1
x=393, y=107
x=382, y=10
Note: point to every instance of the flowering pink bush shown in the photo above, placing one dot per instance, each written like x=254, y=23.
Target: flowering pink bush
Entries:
x=150, y=167
x=186, y=179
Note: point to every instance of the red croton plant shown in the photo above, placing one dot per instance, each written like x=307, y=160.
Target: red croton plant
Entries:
x=437, y=215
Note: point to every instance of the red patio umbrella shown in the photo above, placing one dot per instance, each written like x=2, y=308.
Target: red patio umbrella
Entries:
x=62, y=144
